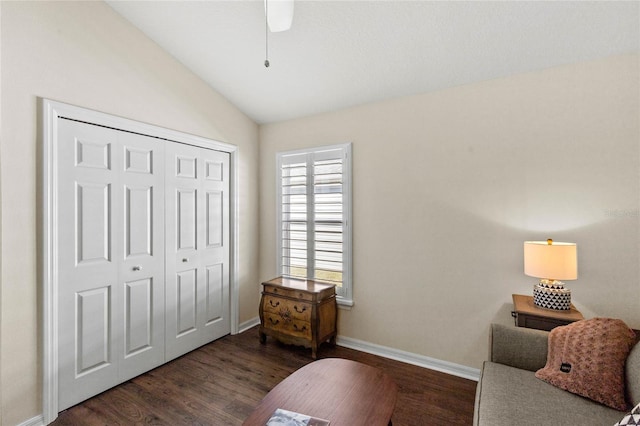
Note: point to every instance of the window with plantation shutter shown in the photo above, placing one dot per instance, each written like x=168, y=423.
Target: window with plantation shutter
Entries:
x=314, y=216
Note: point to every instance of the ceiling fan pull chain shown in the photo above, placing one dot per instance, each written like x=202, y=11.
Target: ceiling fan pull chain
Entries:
x=266, y=33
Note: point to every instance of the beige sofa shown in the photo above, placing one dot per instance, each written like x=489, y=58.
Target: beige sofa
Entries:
x=508, y=393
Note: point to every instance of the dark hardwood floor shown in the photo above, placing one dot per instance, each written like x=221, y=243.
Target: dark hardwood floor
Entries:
x=220, y=384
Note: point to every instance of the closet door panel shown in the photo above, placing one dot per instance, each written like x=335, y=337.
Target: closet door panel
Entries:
x=93, y=221
x=93, y=349
x=183, y=273
x=186, y=219
x=197, y=249
x=88, y=311
x=216, y=294
x=215, y=218
x=138, y=323
x=138, y=220
x=141, y=273
x=186, y=299
x=214, y=252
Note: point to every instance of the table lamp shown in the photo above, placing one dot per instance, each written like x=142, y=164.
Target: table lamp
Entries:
x=551, y=262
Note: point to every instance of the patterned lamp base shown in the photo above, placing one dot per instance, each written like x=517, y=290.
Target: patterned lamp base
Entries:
x=552, y=295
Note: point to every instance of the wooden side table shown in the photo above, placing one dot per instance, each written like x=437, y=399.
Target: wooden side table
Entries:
x=298, y=312
x=528, y=315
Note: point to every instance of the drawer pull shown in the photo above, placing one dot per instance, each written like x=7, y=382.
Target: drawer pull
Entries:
x=276, y=305
x=274, y=322
x=298, y=310
x=285, y=314
x=304, y=327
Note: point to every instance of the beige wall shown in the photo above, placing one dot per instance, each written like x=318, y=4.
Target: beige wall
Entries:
x=448, y=185
x=85, y=54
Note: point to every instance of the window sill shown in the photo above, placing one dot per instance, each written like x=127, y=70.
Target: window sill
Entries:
x=345, y=304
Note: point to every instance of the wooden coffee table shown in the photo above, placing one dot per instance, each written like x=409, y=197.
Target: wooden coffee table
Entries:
x=347, y=393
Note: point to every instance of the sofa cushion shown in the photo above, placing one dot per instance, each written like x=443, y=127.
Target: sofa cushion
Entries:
x=588, y=358
x=512, y=396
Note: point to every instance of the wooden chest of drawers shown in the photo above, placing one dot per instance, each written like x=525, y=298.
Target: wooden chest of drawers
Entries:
x=298, y=312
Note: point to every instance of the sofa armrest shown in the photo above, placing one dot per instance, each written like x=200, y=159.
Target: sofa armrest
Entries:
x=518, y=347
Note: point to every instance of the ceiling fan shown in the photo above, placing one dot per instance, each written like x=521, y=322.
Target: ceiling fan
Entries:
x=278, y=17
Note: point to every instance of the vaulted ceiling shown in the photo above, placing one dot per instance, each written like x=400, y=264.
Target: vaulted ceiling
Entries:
x=345, y=53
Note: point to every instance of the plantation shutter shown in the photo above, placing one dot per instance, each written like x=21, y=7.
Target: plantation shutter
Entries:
x=328, y=216
x=295, y=240
x=314, y=198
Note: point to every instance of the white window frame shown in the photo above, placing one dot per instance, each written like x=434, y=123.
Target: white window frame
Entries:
x=345, y=293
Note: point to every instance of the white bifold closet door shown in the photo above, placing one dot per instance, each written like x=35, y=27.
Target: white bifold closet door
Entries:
x=111, y=258
x=197, y=247
x=143, y=252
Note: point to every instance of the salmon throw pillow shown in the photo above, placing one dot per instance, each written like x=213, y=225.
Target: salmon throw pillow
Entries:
x=588, y=357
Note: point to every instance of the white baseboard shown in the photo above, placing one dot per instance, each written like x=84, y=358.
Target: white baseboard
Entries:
x=410, y=358
x=396, y=354
x=248, y=324
x=36, y=421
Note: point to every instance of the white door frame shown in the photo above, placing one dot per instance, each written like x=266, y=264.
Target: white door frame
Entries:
x=51, y=111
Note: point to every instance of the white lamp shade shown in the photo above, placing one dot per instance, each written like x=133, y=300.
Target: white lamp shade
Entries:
x=279, y=14
x=556, y=261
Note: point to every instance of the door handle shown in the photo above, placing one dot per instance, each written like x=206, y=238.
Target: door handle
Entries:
x=185, y=259
x=137, y=268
